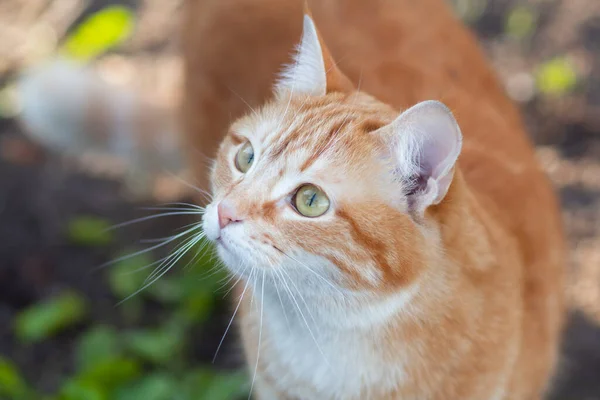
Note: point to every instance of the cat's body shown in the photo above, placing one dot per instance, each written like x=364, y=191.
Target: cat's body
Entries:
x=457, y=298
x=426, y=280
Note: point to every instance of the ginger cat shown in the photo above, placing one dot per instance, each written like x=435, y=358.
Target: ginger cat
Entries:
x=381, y=254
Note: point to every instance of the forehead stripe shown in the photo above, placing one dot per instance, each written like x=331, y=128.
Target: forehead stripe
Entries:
x=327, y=141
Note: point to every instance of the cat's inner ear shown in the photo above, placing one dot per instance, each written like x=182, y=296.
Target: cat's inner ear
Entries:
x=424, y=144
x=312, y=70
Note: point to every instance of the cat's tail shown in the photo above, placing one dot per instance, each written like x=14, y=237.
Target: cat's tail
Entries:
x=70, y=109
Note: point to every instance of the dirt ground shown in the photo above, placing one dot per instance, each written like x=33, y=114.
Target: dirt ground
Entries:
x=39, y=192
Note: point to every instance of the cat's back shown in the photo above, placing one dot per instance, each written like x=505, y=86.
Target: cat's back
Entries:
x=404, y=52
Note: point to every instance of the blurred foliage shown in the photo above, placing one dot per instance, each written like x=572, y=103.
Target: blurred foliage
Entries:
x=102, y=31
x=89, y=231
x=12, y=384
x=157, y=346
x=556, y=77
x=48, y=318
x=136, y=361
x=520, y=22
x=215, y=386
x=127, y=275
x=156, y=386
x=97, y=345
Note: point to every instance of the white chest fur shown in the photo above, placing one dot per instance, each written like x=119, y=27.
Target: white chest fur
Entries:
x=307, y=359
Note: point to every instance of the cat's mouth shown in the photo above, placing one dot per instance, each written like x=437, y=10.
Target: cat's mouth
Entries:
x=241, y=253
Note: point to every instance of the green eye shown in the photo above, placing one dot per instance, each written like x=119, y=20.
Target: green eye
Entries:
x=311, y=201
x=244, y=157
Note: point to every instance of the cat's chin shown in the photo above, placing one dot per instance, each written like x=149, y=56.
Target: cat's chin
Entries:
x=237, y=258
x=228, y=254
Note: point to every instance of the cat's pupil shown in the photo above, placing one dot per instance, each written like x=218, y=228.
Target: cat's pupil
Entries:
x=310, y=201
x=244, y=157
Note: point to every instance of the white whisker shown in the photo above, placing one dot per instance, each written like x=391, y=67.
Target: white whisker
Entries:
x=137, y=253
x=199, y=210
x=225, y=281
x=286, y=286
x=145, y=267
x=163, y=270
x=205, y=159
x=149, y=217
x=211, y=272
x=299, y=293
x=315, y=273
x=176, y=255
x=233, y=285
x=240, y=277
x=262, y=306
x=242, y=99
x=198, y=253
x=204, y=193
x=233, y=316
x=179, y=203
x=195, y=225
x=287, y=321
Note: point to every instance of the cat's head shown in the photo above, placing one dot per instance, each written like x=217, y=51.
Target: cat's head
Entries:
x=328, y=185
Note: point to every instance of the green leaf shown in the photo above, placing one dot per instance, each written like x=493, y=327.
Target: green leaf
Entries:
x=198, y=307
x=556, y=77
x=204, y=274
x=128, y=275
x=204, y=384
x=12, y=385
x=196, y=383
x=89, y=231
x=520, y=22
x=228, y=386
x=200, y=257
x=159, y=346
x=168, y=289
x=48, y=318
x=97, y=345
x=111, y=372
x=75, y=389
x=197, y=298
x=102, y=31
x=152, y=387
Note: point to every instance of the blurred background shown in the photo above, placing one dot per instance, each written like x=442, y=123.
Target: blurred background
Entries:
x=70, y=328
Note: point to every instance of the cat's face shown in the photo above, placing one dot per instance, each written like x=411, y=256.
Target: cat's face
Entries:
x=309, y=186
x=317, y=185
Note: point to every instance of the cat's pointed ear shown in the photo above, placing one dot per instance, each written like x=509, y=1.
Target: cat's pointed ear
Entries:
x=425, y=142
x=313, y=70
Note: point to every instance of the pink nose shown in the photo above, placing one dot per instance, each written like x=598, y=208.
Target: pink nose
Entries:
x=227, y=214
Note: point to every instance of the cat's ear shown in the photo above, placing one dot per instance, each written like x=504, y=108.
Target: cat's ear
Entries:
x=313, y=70
x=424, y=144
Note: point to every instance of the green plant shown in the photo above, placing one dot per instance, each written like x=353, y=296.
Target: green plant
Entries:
x=89, y=231
x=45, y=319
x=556, y=77
x=100, y=32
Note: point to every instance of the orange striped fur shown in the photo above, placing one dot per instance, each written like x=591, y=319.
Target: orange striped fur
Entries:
x=392, y=293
